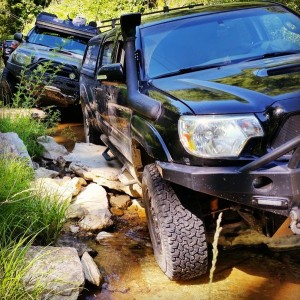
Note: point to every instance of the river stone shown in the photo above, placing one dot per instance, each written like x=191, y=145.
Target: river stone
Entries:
x=52, y=150
x=120, y=201
x=58, y=269
x=93, y=222
x=93, y=198
x=12, y=145
x=45, y=173
x=90, y=270
x=103, y=235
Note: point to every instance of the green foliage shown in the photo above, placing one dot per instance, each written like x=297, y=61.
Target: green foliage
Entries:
x=13, y=266
x=36, y=213
x=15, y=176
x=31, y=86
x=26, y=127
x=30, y=211
x=26, y=217
x=28, y=93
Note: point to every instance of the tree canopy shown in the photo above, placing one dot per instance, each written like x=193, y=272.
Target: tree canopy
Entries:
x=15, y=15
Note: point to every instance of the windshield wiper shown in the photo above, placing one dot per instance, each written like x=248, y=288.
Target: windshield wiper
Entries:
x=273, y=54
x=190, y=69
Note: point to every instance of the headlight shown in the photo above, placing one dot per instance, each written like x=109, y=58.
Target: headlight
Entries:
x=217, y=136
x=21, y=58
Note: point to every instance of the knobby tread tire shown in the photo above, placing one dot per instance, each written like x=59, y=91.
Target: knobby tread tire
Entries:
x=177, y=234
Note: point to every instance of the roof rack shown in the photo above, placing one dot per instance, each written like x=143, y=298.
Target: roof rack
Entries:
x=116, y=21
x=50, y=21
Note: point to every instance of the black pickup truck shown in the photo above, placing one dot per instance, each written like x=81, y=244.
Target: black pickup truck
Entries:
x=51, y=46
x=202, y=106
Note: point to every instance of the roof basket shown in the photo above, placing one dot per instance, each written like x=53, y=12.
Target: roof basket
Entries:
x=116, y=21
x=50, y=21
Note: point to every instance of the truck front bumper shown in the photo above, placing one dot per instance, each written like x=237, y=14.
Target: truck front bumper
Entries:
x=265, y=183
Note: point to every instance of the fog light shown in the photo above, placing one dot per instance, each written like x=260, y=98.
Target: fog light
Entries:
x=72, y=76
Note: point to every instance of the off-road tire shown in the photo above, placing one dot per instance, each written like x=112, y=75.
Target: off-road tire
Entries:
x=91, y=134
x=177, y=234
x=7, y=87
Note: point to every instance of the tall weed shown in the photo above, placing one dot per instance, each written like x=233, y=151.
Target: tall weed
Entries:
x=13, y=267
x=15, y=177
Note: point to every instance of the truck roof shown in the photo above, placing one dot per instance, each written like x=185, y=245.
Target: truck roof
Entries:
x=50, y=21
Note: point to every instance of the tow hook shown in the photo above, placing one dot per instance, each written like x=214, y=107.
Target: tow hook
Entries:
x=295, y=216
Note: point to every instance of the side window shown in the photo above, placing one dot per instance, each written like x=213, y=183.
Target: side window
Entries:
x=107, y=54
x=90, y=59
x=121, y=53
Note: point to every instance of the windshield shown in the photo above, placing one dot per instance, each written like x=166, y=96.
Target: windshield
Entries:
x=221, y=38
x=57, y=41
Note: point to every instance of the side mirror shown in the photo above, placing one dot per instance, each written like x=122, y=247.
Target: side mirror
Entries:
x=18, y=37
x=112, y=72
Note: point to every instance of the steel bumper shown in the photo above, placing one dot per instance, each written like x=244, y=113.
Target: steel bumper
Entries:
x=266, y=183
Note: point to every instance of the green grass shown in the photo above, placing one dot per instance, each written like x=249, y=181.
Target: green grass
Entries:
x=27, y=217
x=15, y=177
x=14, y=266
x=32, y=210
x=27, y=128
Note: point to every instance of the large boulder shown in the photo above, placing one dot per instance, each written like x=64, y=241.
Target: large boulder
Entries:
x=93, y=202
x=52, y=150
x=59, y=270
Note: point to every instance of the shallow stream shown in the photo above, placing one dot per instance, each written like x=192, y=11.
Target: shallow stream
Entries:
x=128, y=265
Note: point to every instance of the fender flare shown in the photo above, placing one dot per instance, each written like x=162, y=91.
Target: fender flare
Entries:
x=149, y=138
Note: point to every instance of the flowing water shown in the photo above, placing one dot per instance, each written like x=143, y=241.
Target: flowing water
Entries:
x=126, y=260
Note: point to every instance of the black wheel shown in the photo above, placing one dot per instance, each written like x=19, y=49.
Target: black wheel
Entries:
x=177, y=234
x=91, y=134
x=7, y=88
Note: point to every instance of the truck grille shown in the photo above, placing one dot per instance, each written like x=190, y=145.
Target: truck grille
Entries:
x=288, y=130
x=59, y=69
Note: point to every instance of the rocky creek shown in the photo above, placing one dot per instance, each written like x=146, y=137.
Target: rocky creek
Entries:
x=246, y=267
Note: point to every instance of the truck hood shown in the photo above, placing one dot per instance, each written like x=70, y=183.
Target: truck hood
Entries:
x=41, y=52
x=246, y=87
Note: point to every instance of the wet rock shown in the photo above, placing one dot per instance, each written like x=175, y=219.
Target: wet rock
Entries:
x=45, y=173
x=120, y=201
x=67, y=240
x=12, y=145
x=59, y=270
x=90, y=270
x=103, y=235
x=96, y=222
x=93, y=199
x=52, y=150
